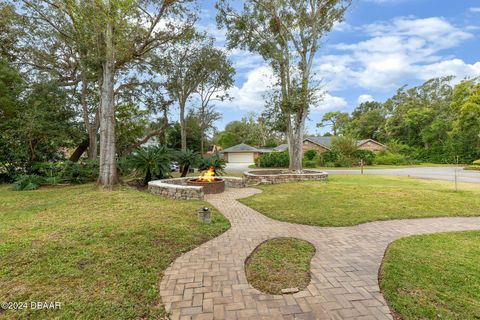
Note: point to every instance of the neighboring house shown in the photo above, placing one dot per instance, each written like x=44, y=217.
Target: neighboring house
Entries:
x=323, y=144
x=152, y=142
x=372, y=145
x=281, y=148
x=242, y=153
x=213, y=149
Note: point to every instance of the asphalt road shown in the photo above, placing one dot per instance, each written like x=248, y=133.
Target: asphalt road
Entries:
x=434, y=173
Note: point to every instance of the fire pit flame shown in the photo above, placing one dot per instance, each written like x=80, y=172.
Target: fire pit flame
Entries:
x=207, y=176
x=209, y=182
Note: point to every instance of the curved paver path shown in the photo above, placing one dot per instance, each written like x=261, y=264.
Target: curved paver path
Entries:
x=209, y=282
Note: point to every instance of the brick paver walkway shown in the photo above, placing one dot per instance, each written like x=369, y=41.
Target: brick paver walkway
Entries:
x=209, y=282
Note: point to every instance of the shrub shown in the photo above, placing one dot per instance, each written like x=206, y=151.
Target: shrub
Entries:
x=319, y=160
x=330, y=156
x=476, y=162
x=343, y=162
x=329, y=164
x=273, y=160
x=186, y=159
x=79, y=172
x=390, y=159
x=27, y=182
x=216, y=162
x=366, y=155
x=310, y=155
x=310, y=164
x=472, y=168
x=345, y=146
x=67, y=171
x=9, y=171
x=151, y=163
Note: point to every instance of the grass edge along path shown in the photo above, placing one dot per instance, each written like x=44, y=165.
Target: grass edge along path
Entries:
x=346, y=200
x=280, y=263
x=433, y=276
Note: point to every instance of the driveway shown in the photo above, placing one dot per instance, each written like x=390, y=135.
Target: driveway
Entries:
x=435, y=173
x=237, y=167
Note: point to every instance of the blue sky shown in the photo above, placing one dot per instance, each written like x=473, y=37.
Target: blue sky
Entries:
x=381, y=45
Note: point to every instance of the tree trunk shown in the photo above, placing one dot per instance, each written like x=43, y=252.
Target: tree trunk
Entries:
x=183, y=129
x=92, y=143
x=295, y=142
x=202, y=143
x=184, y=171
x=92, y=128
x=108, y=170
x=79, y=151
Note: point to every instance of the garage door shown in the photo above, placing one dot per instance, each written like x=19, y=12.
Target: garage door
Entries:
x=240, y=157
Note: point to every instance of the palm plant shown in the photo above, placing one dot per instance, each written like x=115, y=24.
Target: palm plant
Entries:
x=216, y=162
x=186, y=159
x=151, y=163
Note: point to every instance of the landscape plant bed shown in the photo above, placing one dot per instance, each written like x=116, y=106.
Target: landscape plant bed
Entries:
x=280, y=263
x=353, y=199
x=433, y=276
x=100, y=254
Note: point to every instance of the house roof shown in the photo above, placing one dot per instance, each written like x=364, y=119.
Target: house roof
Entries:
x=242, y=147
x=361, y=142
x=323, y=141
x=281, y=148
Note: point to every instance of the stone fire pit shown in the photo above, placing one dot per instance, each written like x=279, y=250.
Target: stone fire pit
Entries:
x=184, y=189
x=209, y=187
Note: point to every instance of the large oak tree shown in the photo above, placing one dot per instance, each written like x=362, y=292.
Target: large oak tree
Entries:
x=287, y=34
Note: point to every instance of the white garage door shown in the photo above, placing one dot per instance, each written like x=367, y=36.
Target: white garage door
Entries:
x=240, y=157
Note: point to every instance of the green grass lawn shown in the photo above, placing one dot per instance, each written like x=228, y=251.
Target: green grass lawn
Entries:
x=101, y=254
x=280, y=264
x=352, y=199
x=434, y=276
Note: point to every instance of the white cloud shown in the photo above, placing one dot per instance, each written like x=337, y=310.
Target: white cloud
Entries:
x=475, y=9
x=250, y=96
x=365, y=98
x=330, y=102
x=395, y=52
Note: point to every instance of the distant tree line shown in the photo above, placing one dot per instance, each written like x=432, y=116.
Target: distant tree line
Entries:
x=435, y=122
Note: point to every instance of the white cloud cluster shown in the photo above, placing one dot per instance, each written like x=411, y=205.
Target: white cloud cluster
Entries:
x=329, y=102
x=405, y=48
x=365, y=98
x=475, y=9
x=250, y=96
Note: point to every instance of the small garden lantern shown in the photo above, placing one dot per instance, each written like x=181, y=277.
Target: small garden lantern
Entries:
x=204, y=215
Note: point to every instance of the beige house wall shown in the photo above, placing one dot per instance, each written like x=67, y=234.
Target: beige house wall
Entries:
x=307, y=145
x=372, y=146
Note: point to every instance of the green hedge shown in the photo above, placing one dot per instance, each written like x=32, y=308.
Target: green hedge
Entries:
x=273, y=160
x=475, y=168
x=390, y=159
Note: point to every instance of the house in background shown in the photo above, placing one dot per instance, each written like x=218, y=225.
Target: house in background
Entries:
x=243, y=153
x=324, y=144
x=213, y=149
